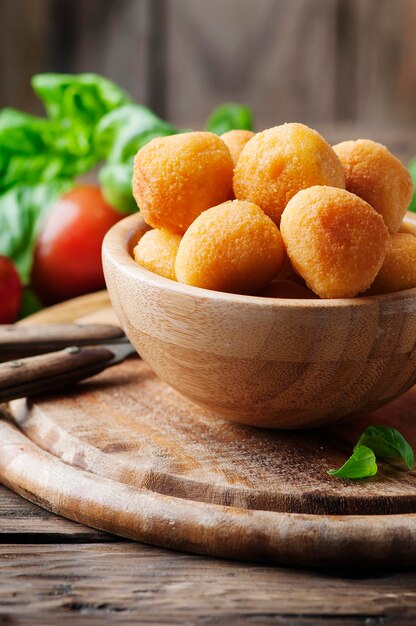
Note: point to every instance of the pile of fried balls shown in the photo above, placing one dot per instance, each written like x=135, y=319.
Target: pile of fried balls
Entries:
x=279, y=213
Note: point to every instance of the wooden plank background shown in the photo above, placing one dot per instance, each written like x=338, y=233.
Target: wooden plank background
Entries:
x=330, y=63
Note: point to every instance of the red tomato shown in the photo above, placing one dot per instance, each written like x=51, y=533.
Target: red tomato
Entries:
x=67, y=259
x=10, y=291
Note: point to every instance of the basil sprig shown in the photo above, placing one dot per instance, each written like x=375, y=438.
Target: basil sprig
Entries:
x=228, y=117
x=382, y=442
x=412, y=169
x=386, y=443
x=362, y=463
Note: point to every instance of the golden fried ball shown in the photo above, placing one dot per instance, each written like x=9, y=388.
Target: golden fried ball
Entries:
x=232, y=247
x=177, y=177
x=335, y=241
x=157, y=250
x=283, y=288
x=399, y=268
x=235, y=140
x=277, y=163
x=377, y=176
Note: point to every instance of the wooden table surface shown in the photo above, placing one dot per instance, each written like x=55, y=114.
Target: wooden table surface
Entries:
x=54, y=570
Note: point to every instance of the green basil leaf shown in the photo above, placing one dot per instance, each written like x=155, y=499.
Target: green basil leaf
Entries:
x=28, y=134
x=121, y=133
x=22, y=210
x=41, y=168
x=387, y=442
x=412, y=169
x=82, y=97
x=35, y=150
x=22, y=130
x=230, y=117
x=115, y=180
x=362, y=463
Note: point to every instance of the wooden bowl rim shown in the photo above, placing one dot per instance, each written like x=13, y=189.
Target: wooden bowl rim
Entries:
x=118, y=242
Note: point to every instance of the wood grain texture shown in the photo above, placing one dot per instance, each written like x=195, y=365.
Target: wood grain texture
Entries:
x=17, y=340
x=317, y=61
x=371, y=60
x=127, y=584
x=31, y=29
x=155, y=462
x=128, y=426
x=24, y=522
x=73, y=309
x=43, y=580
x=168, y=447
x=52, y=371
x=401, y=142
x=68, y=36
x=100, y=30
x=384, y=72
x=144, y=515
x=236, y=51
x=266, y=362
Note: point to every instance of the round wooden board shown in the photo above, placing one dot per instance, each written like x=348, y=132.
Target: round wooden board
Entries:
x=125, y=453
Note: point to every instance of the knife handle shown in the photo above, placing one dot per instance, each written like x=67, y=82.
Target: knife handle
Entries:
x=37, y=374
x=23, y=341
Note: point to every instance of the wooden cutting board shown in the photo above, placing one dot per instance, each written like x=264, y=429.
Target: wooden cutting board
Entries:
x=125, y=453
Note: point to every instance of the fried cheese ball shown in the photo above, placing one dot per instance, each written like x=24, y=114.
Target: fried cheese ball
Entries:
x=377, y=176
x=283, y=288
x=157, y=250
x=335, y=241
x=398, y=271
x=232, y=247
x=277, y=163
x=177, y=177
x=235, y=140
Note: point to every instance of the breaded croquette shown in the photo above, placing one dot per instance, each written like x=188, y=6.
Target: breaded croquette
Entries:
x=398, y=271
x=277, y=163
x=232, y=247
x=235, y=140
x=376, y=175
x=335, y=241
x=156, y=251
x=177, y=177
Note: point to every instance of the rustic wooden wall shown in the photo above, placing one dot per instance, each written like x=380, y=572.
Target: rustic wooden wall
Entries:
x=321, y=61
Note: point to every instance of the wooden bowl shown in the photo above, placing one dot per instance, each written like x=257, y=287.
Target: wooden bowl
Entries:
x=263, y=361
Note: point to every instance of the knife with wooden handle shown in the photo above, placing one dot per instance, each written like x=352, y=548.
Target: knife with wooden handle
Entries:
x=48, y=372
x=22, y=341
